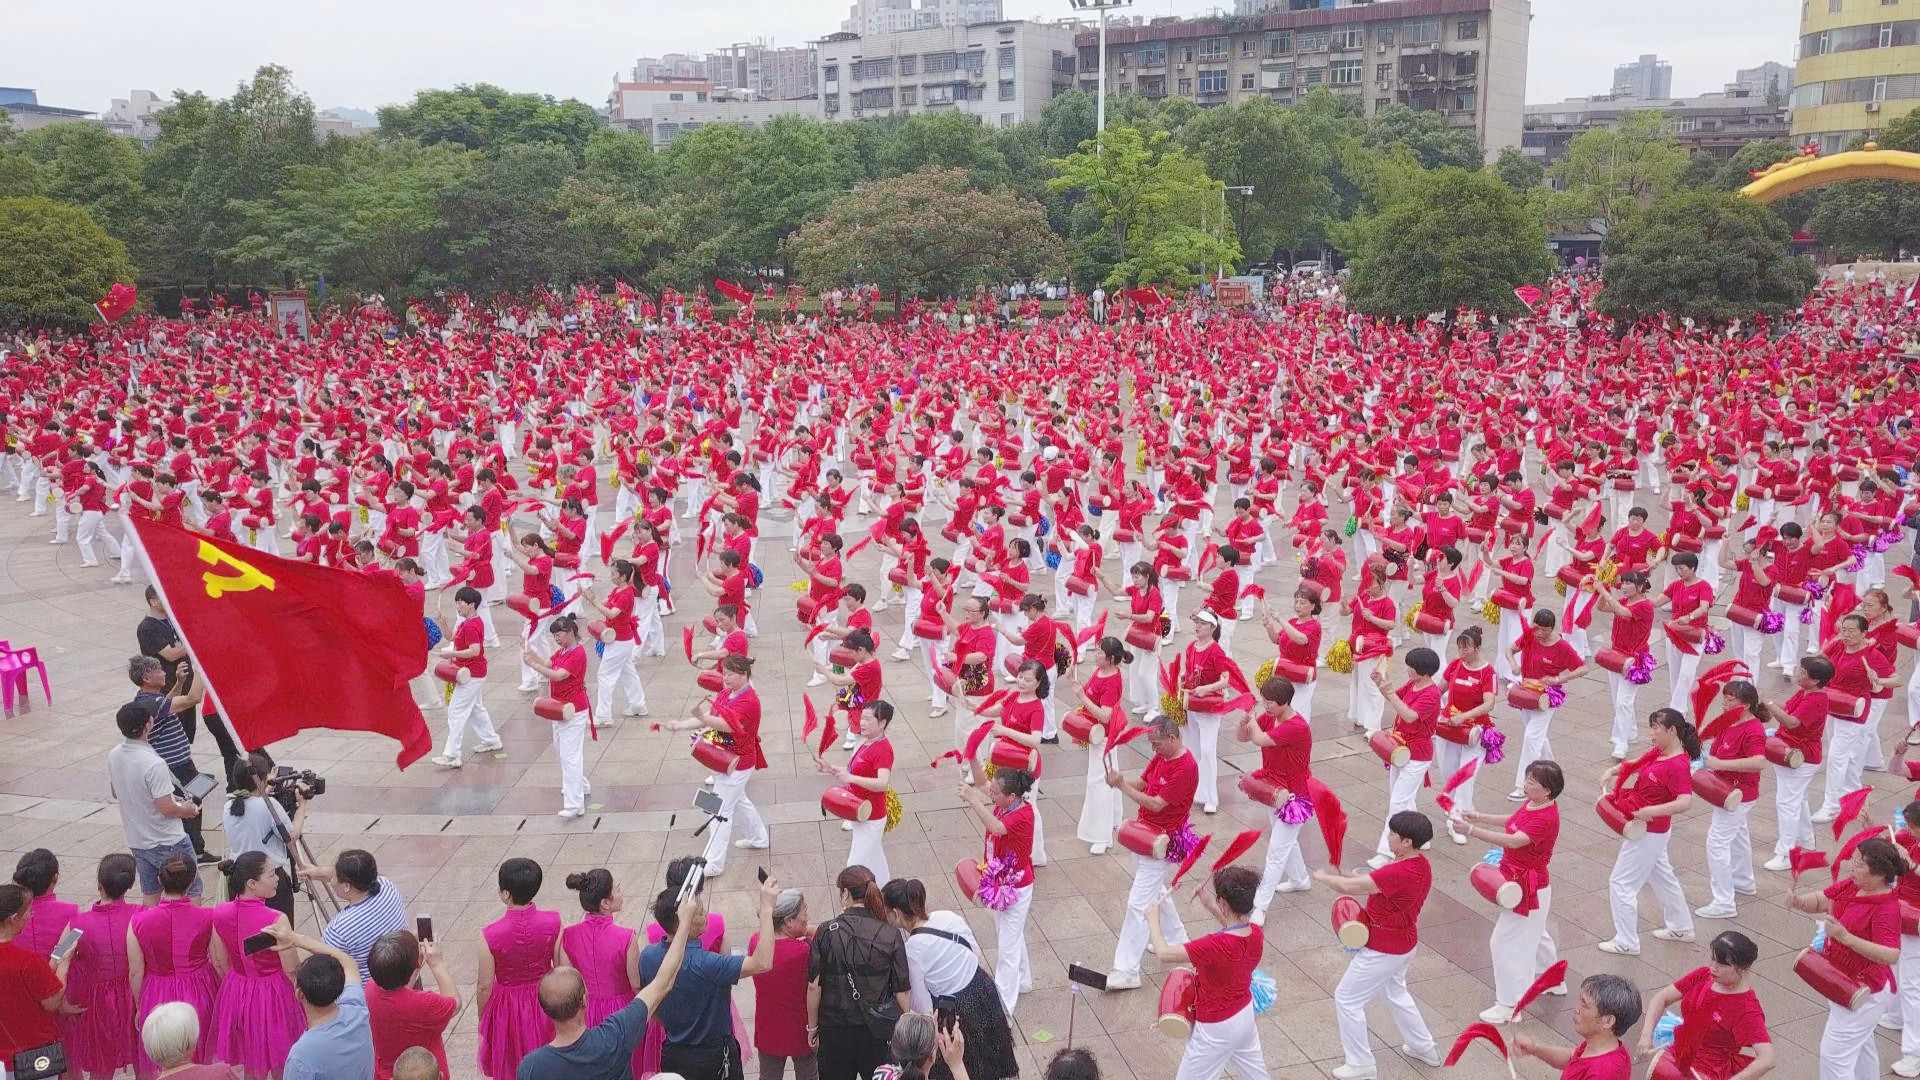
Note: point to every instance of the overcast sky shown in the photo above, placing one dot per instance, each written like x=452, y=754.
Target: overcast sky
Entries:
x=362, y=54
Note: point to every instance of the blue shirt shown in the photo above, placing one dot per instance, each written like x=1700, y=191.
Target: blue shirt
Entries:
x=341, y=1048
x=359, y=925
x=694, y=1012
x=603, y=1052
x=168, y=737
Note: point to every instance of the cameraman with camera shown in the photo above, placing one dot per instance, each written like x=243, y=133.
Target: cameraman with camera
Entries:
x=257, y=822
x=169, y=738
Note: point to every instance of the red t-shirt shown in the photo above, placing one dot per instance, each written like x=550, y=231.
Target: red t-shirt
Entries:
x=1289, y=760
x=1633, y=548
x=866, y=683
x=1748, y=738
x=1223, y=598
x=742, y=713
x=1850, y=672
x=780, y=999
x=620, y=604
x=1811, y=710
x=472, y=632
x=1656, y=783
x=1714, y=1026
x=26, y=980
x=1694, y=598
x=1224, y=963
x=1017, y=844
x=1305, y=652
x=1418, y=732
x=1037, y=640
x=1612, y=1065
x=1393, y=913
x=404, y=1018
x=1542, y=827
x=573, y=688
x=1632, y=631
x=1539, y=661
x=868, y=761
x=1875, y=918
x=1174, y=781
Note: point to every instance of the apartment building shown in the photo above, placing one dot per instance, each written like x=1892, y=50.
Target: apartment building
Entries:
x=1858, y=67
x=1002, y=72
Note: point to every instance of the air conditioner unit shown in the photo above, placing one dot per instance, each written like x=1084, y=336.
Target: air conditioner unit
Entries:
x=1873, y=106
x=1380, y=48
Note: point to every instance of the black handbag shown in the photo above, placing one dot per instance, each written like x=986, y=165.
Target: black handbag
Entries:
x=44, y=1062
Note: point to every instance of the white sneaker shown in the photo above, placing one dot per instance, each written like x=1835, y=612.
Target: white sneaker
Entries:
x=1617, y=949
x=901, y=654
x=1557, y=991
x=489, y=748
x=708, y=781
x=446, y=762
x=569, y=814
x=1889, y=1022
x=1097, y=849
x=1456, y=837
x=1777, y=863
x=1378, y=861
x=846, y=826
x=1824, y=815
x=527, y=687
x=1355, y=1072
x=1210, y=808
x=1516, y=795
x=1123, y=980
x=850, y=742
x=1431, y=1058
x=1294, y=886
x=1665, y=934
x=636, y=710
x=748, y=845
x=1499, y=1014
x=817, y=680
x=1907, y=1066
x=1714, y=911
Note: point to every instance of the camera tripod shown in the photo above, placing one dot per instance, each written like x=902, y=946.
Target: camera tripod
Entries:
x=320, y=898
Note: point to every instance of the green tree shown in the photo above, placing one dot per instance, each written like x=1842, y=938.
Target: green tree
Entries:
x=1518, y=171
x=736, y=193
x=101, y=173
x=485, y=117
x=1144, y=186
x=1434, y=141
x=1261, y=146
x=1866, y=219
x=945, y=140
x=1751, y=158
x=614, y=206
x=19, y=176
x=1609, y=173
x=59, y=261
x=927, y=233
x=1706, y=255
x=508, y=224
x=1458, y=240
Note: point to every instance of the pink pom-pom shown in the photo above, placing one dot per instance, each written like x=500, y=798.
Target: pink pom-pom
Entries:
x=1181, y=843
x=1556, y=696
x=1815, y=590
x=1771, y=622
x=1886, y=540
x=1714, y=644
x=1296, y=811
x=1859, y=559
x=1493, y=743
x=997, y=891
x=1640, y=672
x=1806, y=616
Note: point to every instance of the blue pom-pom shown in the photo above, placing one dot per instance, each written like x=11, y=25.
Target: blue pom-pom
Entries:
x=1663, y=1031
x=433, y=632
x=555, y=597
x=758, y=577
x=1492, y=857
x=1053, y=560
x=1041, y=530
x=1264, y=991
x=1096, y=511
x=599, y=647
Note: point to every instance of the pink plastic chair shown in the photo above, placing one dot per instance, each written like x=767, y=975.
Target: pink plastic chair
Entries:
x=14, y=665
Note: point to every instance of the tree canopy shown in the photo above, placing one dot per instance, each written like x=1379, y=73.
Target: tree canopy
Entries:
x=1456, y=240
x=59, y=261
x=1705, y=255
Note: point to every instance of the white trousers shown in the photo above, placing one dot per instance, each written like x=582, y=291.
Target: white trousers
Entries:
x=468, y=708
x=1848, y=1048
x=1365, y=703
x=92, y=527
x=1790, y=807
x=1149, y=877
x=1729, y=854
x=570, y=748
x=1203, y=738
x=1013, y=967
x=866, y=850
x=1643, y=861
x=1788, y=654
x=1143, y=691
x=1746, y=645
x=1450, y=758
x=1684, y=670
x=1234, y=1042
x=1100, y=808
x=736, y=808
x=1626, y=723
x=1372, y=974
x=1285, y=865
x=1846, y=755
x=1506, y=633
x=1302, y=697
x=1534, y=744
x=1876, y=754
x=1522, y=948
x=1904, y=1004
x=616, y=672
x=1403, y=793
x=930, y=663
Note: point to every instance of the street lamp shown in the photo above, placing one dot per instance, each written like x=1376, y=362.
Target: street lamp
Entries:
x=1245, y=191
x=1100, y=91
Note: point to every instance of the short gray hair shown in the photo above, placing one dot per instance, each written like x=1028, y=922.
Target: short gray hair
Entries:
x=416, y=1063
x=1165, y=727
x=787, y=905
x=170, y=1034
x=139, y=667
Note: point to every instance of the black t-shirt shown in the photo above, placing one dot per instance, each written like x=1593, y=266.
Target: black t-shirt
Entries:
x=871, y=951
x=155, y=634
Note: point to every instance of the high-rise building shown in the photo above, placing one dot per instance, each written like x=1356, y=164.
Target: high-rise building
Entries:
x=1772, y=80
x=1649, y=78
x=1003, y=72
x=870, y=17
x=649, y=69
x=774, y=73
x=1464, y=59
x=1857, y=69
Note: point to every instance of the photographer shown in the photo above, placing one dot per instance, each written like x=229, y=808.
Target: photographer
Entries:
x=372, y=906
x=158, y=639
x=256, y=822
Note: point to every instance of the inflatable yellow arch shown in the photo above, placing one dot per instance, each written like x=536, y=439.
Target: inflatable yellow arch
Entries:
x=1809, y=170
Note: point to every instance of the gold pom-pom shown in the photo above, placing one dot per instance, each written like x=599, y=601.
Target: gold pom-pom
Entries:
x=894, y=810
x=989, y=768
x=797, y=586
x=1261, y=676
x=644, y=458
x=1559, y=587
x=1174, y=708
x=1140, y=457
x=446, y=693
x=1339, y=658
x=1490, y=611
x=1412, y=614
x=1608, y=572
x=1740, y=501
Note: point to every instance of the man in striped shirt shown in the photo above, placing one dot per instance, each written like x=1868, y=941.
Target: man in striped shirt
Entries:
x=373, y=907
x=169, y=738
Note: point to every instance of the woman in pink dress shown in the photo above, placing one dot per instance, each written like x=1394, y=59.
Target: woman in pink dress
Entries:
x=520, y=949
x=168, y=956
x=100, y=1040
x=606, y=954
x=255, y=1018
x=38, y=872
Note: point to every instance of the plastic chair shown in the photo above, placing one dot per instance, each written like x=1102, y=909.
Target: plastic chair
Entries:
x=14, y=665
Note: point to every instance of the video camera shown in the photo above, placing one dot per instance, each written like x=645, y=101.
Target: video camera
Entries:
x=286, y=781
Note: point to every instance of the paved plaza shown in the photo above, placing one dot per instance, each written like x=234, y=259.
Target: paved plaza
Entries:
x=441, y=833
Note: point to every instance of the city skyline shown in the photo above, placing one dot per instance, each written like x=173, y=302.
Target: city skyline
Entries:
x=344, y=61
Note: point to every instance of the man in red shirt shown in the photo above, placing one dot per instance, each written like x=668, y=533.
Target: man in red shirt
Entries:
x=1608, y=1007
x=1395, y=891
x=1164, y=794
x=401, y=1016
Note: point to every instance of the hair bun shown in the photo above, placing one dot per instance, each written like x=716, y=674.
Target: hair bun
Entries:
x=576, y=881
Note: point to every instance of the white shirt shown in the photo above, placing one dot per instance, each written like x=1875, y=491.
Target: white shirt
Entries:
x=937, y=967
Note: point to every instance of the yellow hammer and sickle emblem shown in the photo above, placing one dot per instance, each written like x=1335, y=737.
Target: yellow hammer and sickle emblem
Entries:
x=247, y=579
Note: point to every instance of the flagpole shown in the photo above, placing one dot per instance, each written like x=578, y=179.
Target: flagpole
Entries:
x=153, y=579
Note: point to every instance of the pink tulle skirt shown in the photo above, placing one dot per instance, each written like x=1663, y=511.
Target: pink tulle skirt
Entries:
x=511, y=1027
x=197, y=988
x=256, y=1020
x=101, y=1040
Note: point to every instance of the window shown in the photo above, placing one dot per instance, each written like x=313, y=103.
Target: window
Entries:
x=1345, y=72
x=1355, y=38
x=866, y=70
x=1005, y=58
x=1278, y=77
x=1153, y=55
x=1383, y=35
x=975, y=62
x=878, y=97
x=1463, y=101
x=1125, y=88
x=1154, y=86
x=1246, y=80
x=1422, y=31
x=1006, y=89
x=1313, y=76
x=1466, y=65
x=832, y=102
x=1213, y=48
x=940, y=95
x=1380, y=103
x=1279, y=42
x=676, y=97
x=1312, y=41
x=830, y=73
x=1006, y=119
x=909, y=95
x=1213, y=82
x=1833, y=5
x=1185, y=87
x=1186, y=54
x=939, y=63
x=909, y=65
x=1249, y=47
x=1467, y=30
x=1383, y=73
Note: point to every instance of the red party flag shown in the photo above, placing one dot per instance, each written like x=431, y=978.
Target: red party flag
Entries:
x=1465, y=772
x=1850, y=806
x=1333, y=820
x=1805, y=859
x=292, y=646
x=1193, y=856
x=813, y=719
x=1847, y=849
x=1125, y=737
x=731, y=291
x=1116, y=723
x=118, y=301
x=1476, y=1031
x=1528, y=295
x=827, y=735
x=978, y=736
x=1550, y=978
x=686, y=639
x=1236, y=849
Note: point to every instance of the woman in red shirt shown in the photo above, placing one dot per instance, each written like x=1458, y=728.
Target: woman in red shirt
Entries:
x=31, y=995
x=1543, y=660
x=1521, y=945
x=1723, y=1030
x=1013, y=826
x=1632, y=629
x=1513, y=591
x=1395, y=892
x=1737, y=755
x=1416, y=706
x=616, y=657
x=971, y=663
x=1207, y=676
x=1143, y=616
x=1369, y=636
x=1863, y=942
x=734, y=713
x=1299, y=641
x=1441, y=588
x=1099, y=696
x=1016, y=732
x=868, y=773
x=567, y=671
x=1459, y=737
x=1223, y=961
x=1285, y=739
x=1652, y=789
x=1860, y=670
x=535, y=559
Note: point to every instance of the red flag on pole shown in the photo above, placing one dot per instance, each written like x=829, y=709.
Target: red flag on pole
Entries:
x=291, y=646
x=118, y=301
x=1528, y=295
x=732, y=292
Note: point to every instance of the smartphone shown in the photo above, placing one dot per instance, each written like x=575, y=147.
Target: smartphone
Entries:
x=423, y=928
x=67, y=941
x=1087, y=977
x=761, y=873
x=256, y=943
x=946, y=1012
x=707, y=803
